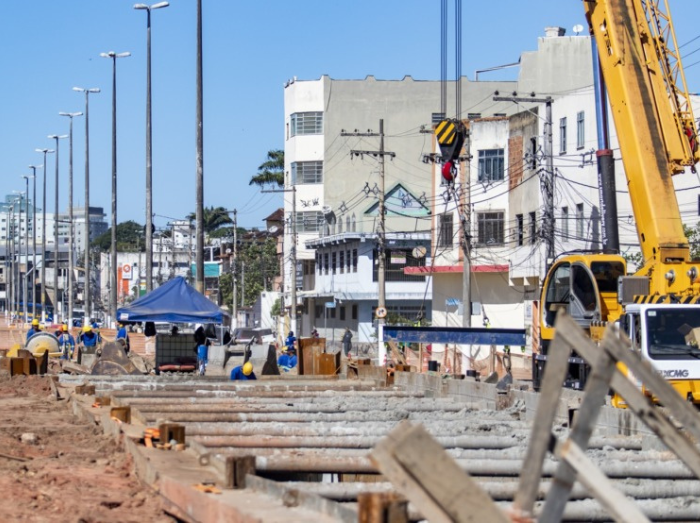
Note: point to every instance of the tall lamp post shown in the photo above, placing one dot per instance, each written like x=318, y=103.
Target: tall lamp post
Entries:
x=86, y=291
x=71, y=261
x=149, y=146
x=34, y=168
x=26, y=177
x=18, y=285
x=55, y=233
x=113, y=271
x=43, y=239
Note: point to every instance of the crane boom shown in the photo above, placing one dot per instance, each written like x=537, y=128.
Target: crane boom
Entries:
x=655, y=126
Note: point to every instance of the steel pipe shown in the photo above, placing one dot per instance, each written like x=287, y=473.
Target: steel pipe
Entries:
x=497, y=468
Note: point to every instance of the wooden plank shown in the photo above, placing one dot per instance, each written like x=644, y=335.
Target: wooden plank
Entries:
x=619, y=506
x=649, y=414
x=679, y=408
x=596, y=390
x=420, y=469
x=381, y=507
x=555, y=373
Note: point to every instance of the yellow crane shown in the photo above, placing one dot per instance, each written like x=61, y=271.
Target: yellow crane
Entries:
x=657, y=306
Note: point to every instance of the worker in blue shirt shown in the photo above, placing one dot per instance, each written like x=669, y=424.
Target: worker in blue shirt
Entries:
x=202, y=358
x=66, y=342
x=35, y=328
x=287, y=360
x=122, y=334
x=289, y=342
x=243, y=372
x=88, y=338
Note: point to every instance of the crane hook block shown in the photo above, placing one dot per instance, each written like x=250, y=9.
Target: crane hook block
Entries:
x=450, y=135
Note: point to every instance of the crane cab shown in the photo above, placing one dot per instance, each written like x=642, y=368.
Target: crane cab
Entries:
x=585, y=286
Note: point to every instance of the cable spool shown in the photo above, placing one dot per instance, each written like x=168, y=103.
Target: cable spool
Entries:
x=380, y=312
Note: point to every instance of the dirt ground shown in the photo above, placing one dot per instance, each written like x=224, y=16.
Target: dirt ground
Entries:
x=54, y=468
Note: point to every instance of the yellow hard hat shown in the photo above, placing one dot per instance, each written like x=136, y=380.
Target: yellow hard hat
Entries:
x=35, y=322
x=87, y=328
x=64, y=327
x=248, y=368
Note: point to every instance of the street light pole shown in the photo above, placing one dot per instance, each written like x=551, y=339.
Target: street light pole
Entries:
x=149, y=146
x=113, y=268
x=199, y=156
x=71, y=261
x=55, y=233
x=26, y=239
x=43, y=239
x=34, y=168
x=86, y=291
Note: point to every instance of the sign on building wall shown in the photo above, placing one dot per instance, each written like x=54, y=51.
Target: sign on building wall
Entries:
x=127, y=272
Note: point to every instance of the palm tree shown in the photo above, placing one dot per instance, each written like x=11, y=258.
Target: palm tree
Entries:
x=271, y=171
x=213, y=218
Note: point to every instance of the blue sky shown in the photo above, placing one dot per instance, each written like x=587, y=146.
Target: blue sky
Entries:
x=250, y=49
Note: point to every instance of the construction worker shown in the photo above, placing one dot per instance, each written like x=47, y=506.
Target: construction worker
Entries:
x=35, y=328
x=122, y=334
x=287, y=360
x=88, y=339
x=243, y=372
x=291, y=339
x=66, y=342
x=202, y=358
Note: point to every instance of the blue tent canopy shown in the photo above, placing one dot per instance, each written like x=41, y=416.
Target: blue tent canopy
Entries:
x=175, y=301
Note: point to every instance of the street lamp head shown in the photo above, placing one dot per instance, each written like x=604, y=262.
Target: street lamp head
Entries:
x=45, y=151
x=112, y=54
x=83, y=90
x=70, y=114
x=28, y=176
x=57, y=136
x=150, y=7
x=35, y=167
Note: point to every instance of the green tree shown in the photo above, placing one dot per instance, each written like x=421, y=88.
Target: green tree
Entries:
x=130, y=238
x=271, y=171
x=261, y=267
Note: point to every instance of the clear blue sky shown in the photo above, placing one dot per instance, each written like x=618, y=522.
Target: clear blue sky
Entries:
x=250, y=49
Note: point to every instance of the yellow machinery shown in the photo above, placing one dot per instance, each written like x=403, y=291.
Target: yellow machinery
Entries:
x=656, y=130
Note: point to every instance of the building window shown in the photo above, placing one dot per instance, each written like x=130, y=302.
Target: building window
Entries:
x=354, y=260
x=341, y=261
x=533, y=227
x=533, y=153
x=342, y=313
x=491, y=165
x=307, y=123
x=332, y=312
x=445, y=230
x=307, y=172
x=562, y=136
x=565, y=222
x=354, y=311
x=520, y=233
x=309, y=221
x=319, y=311
x=333, y=262
x=490, y=228
x=325, y=263
x=579, y=221
x=580, y=130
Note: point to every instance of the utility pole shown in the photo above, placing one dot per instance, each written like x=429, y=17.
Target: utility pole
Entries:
x=242, y=283
x=465, y=218
x=293, y=257
x=381, y=236
x=548, y=179
x=234, y=320
x=199, y=212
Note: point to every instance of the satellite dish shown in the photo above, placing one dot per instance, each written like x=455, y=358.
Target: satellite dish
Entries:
x=578, y=28
x=273, y=229
x=419, y=252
